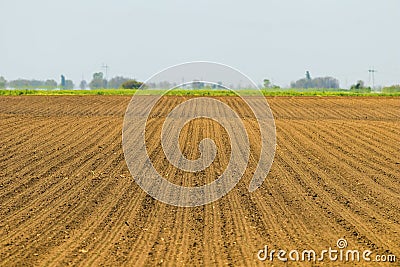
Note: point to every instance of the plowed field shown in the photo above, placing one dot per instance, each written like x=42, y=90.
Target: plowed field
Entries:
x=67, y=197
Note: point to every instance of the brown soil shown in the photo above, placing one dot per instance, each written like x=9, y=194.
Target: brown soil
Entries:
x=67, y=197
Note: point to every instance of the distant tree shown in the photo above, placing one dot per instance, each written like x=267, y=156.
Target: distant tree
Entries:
x=359, y=87
x=20, y=83
x=152, y=85
x=50, y=84
x=320, y=82
x=117, y=82
x=391, y=89
x=197, y=85
x=325, y=82
x=83, y=85
x=360, y=84
x=218, y=85
x=308, y=76
x=164, y=85
x=267, y=83
x=302, y=83
x=69, y=84
x=131, y=84
x=36, y=84
x=3, y=82
x=62, y=84
x=23, y=83
x=98, y=81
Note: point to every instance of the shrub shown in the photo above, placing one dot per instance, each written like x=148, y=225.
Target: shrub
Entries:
x=131, y=84
x=391, y=89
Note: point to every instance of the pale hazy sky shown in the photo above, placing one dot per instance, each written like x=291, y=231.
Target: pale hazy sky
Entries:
x=277, y=39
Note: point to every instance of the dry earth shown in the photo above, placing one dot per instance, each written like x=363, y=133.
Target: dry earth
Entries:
x=67, y=197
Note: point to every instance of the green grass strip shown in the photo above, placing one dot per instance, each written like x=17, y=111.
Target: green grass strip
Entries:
x=196, y=92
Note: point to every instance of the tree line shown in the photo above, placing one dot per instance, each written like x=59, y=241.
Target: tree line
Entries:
x=25, y=83
x=98, y=82
x=319, y=82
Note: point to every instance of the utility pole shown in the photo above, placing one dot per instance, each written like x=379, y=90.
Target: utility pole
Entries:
x=372, y=72
x=105, y=67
